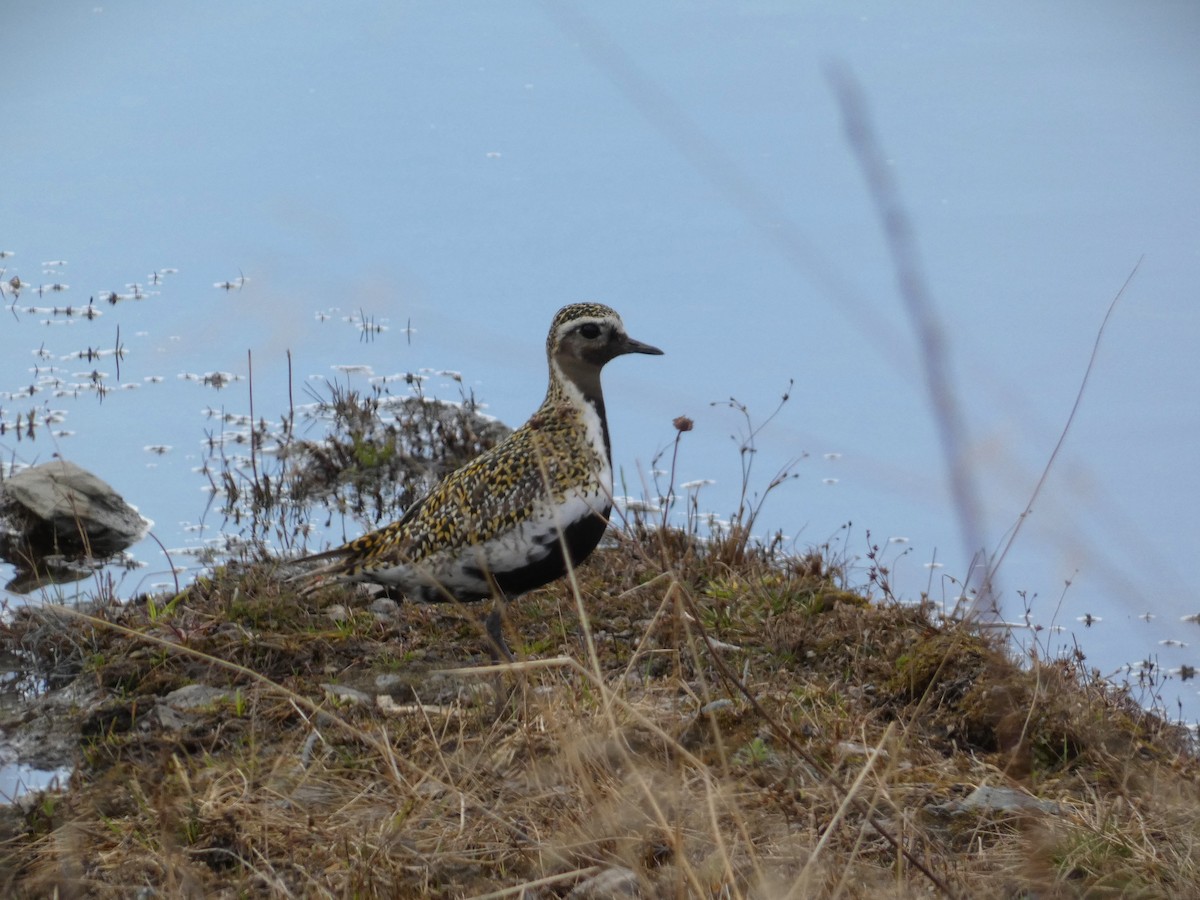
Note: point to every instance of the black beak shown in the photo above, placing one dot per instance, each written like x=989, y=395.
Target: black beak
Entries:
x=629, y=345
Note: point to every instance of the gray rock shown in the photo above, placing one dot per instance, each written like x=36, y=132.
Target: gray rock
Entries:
x=343, y=695
x=58, y=507
x=196, y=696
x=390, y=681
x=166, y=717
x=384, y=608
x=987, y=799
x=1003, y=799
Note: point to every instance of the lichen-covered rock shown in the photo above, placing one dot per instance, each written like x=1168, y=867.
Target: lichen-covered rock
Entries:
x=61, y=508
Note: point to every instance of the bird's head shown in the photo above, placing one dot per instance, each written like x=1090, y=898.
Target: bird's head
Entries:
x=583, y=337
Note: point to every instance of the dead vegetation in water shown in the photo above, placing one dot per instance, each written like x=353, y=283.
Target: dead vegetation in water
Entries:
x=247, y=743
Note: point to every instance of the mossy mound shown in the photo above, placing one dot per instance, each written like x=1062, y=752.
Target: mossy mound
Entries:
x=743, y=728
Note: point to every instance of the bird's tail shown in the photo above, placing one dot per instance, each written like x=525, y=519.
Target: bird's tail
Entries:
x=333, y=571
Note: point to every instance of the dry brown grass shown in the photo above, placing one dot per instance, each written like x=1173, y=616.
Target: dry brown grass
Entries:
x=848, y=728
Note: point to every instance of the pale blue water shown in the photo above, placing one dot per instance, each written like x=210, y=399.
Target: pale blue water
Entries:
x=470, y=168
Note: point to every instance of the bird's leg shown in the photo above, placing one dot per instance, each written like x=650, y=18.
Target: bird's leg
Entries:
x=494, y=626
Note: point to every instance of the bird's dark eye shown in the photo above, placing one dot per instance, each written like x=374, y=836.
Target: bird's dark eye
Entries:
x=590, y=330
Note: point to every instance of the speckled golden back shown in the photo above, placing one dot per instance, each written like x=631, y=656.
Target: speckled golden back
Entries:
x=542, y=459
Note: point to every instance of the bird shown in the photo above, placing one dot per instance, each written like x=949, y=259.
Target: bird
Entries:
x=519, y=515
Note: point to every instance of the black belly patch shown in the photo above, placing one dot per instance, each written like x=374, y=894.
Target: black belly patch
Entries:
x=581, y=538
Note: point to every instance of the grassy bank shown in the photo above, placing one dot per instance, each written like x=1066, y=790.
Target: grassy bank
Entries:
x=729, y=723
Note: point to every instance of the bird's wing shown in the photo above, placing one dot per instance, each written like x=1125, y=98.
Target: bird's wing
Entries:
x=488, y=495
x=485, y=497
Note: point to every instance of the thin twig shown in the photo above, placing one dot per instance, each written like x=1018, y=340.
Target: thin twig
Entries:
x=1062, y=437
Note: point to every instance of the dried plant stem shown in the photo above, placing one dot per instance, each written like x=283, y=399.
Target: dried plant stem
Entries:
x=1062, y=437
x=914, y=290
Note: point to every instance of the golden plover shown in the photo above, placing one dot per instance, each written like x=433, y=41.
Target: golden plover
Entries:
x=508, y=521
